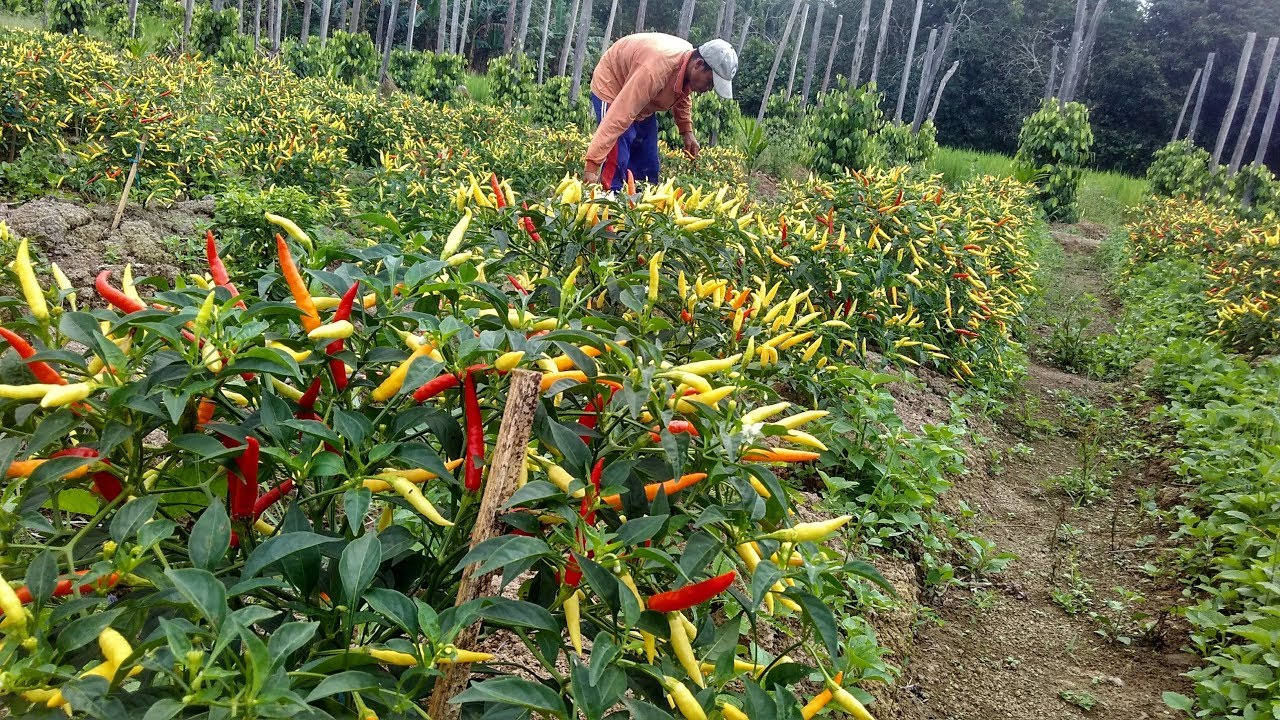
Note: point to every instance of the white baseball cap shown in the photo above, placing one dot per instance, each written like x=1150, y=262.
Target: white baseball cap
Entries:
x=723, y=61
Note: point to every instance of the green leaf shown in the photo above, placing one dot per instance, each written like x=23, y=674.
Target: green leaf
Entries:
x=395, y=606
x=202, y=589
x=42, y=577
x=1178, y=701
x=289, y=638
x=85, y=630
x=133, y=515
x=356, y=503
x=635, y=532
x=518, y=613
x=202, y=446
x=165, y=709
x=514, y=691
x=358, y=564
x=343, y=682
x=280, y=547
x=210, y=537
x=820, y=615
x=497, y=552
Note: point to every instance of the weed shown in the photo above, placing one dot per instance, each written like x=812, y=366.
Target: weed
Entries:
x=1076, y=597
x=1083, y=700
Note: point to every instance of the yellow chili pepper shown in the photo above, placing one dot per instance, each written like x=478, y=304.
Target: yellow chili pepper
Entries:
x=712, y=398
x=850, y=704
x=454, y=241
x=683, y=648
x=809, y=532
x=204, y=315
x=338, y=330
x=386, y=517
x=800, y=437
x=395, y=380
x=707, y=367
x=762, y=414
x=291, y=229
x=697, y=382
x=731, y=712
x=66, y=394
x=573, y=619
x=16, y=616
x=812, y=350
x=684, y=700
x=64, y=283
x=655, y=265
x=508, y=361
x=29, y=284
x=799, y=419
x=26, y=392
x=410, y=492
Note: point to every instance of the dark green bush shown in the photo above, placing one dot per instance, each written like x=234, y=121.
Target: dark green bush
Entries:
x=842, y=126
x=1054, y=145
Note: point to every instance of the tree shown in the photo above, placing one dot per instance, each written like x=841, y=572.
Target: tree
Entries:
x=812, y=60
x=568, y=37
x=326, y=8
x=580, y=52
x=354, y=27
x=189, y=9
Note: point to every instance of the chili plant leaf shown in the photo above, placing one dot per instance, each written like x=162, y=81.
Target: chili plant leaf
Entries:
x=201, y=589
x=358, y=564
x=210, y=537
x=514, y=691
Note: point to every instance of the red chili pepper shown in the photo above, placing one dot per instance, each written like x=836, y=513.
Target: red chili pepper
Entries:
x=898, y=202
x=337, y=368
x=106, y=484
x=686, y=316
x=435, y=386
x=572, y=575
x=217, y=269
x=967, y=333
x=475, y=434
x=631, y=183
x=782, y=223
x=516, y=284
x=114, y=296
x=43, y=371
x=498, y=196
x=242, y=486
x=675, y=428
x=691, y=595
x=271, y=497
x=528, y=225
x=960, y=276
x=64, y=587
x=587, y=508
x=308, y=400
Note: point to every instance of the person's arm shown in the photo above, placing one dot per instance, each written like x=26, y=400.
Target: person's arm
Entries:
x=682, y=111
x=623, y=111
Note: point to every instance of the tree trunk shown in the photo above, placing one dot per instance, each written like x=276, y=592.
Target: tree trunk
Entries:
x=279, y=26
x=686, y=18
x=133, y=10
x=325, y=8
x=1255, y=104
x=731, y=9
x=860, y=44
x=389, y=39
x=466, y=29
x=644, y=5
x=884, y=31
x=715, y=33
x=188, y=11
x=344, y=14
x=1227, y=119
x=442, y=26
x=413, y=21
x=922, y=92
x=306, y=22
x=454, y=19
x=257, y=24
x=742, y=39
x=1269, y=124
x=777, y=56
x=831, y=54
x=522, y=36
x=353, y=25
x=1182, y=115
x=608, y=28
x=546, y=32
x=812, y=60
x=1086, y=52
x=509, y=30
x=1053, y=73
x=580, y=52
x=944, y=41
x=1204, y=85
x=381, y=29
x=906, y=68
x=937, y=98
x=568, y=37
x=795, y=53
x=1073, y=52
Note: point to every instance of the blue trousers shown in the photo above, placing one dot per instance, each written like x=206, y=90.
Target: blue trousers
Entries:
x=636, y=150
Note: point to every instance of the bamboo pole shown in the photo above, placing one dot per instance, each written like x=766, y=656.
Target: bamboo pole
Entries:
x=608, y=28
x=884, y=30
x=1191, y=91
x=777, y=56
x=568, y=37
x=1204, y=85
x=326, y=9
x=640, y=12
x=812, y=60
x=795, y=55
x=1255, y=104
x=906, y=67
x=546, y=31
x=1229, y=117
x=730, y=12
x=580, y=52
x=306, y=22
x=742, y=39
x=831, y=54
x=1269, y=124
x=509, y=30
x=128, y=182
x=942, y=85
x=860, y=44
x=508, y=458
x=413, y=21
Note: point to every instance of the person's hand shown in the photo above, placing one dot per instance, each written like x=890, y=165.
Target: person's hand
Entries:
x=691, y=146
x=590, y=177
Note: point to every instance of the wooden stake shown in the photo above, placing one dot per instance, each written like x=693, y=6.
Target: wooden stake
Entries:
x=742, y=39
x=860, y=44
x=795, y=56
x=1229, y=118
x=906, y=67
x=922, y=92
x=884, y=31
x=1053, y=73
x=831, y=54
x=777, y=57
x=508, y=457
x=1269, y=124
x=1191, y=91
x=812, y=59
x=608, y=29
x=942, y=85
x=1255, y=104
x=128, y=183
x=1073, y=52
x=1086, y=50
x=1204, y=85
x=546, y=31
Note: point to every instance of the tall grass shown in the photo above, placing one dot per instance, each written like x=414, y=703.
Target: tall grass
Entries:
x=1105, y=197
x=19, y=22
x=477, y=87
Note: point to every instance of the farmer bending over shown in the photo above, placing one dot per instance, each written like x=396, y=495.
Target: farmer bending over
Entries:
x=638, y=76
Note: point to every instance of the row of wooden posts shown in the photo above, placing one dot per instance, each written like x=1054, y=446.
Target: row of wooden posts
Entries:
x=1199, y=85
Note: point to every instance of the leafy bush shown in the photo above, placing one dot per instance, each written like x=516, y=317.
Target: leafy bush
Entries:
x=714, y=119
x=425, y=74
x=842, y=127
x=551, y=105
x=899, y=146
x=1055, y=143
x=241, y=210
x=209, y=30
x=67, y=16
x=512, y=81
x=1180, y=169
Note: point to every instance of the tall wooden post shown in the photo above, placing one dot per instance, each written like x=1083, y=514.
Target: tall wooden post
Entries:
x=860, y=44
x=608, y=28
x=580, y=52
x=306, y=22
x=1204, y=85
x=442, y=27
x=1073, y=52
x=795, y=55
x=777, y=57
x=906, y=68
x=922, y=92
x=389, y=39
x=353, y=24
x=568, y=37
x=413, y=21
x=742, y=39
x=812, y=60
x=455, y=17
x=1269, y=124
x=189, y=9
x=466, y=29
x=831, y=54
x=1229, y=117
x=509, y=30
x=1086, y=50
x=686, y=18
x=731, y=9
x=1053, y=73
x=522, y=36
x=715, y=32
x=326, y=9
x=1195, y=80
x=546, y=32
x=1255, y=104
x=640, y=13
x=942, y=85
x=884, y=31
x=508, y=457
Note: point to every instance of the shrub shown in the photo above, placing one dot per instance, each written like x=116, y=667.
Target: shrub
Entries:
x=551, y=105
x=209, y=30
x=1055, y=145
x=714, y=119
x=240, y=214
x=511, y=81
x=899, y=146
x=842, y=129
x=1180, y=169
x=425, y=74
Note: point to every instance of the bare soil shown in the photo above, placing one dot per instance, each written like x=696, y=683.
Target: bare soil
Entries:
x=1009, y=650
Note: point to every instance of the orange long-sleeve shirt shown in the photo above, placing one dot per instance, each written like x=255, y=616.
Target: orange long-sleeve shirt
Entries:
x=638, y=76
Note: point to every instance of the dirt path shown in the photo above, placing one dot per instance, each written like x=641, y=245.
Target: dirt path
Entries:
x=1074, y=627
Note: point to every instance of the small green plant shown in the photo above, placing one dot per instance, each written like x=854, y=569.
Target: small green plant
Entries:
x=1076, y=596
x=1180, y=169
x=1084, y=700
x=1056, y=144
x=511, y=81
x=751, y=140
x=842, y=128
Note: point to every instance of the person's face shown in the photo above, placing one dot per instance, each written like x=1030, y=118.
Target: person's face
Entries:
x=699, y=76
